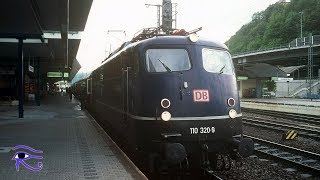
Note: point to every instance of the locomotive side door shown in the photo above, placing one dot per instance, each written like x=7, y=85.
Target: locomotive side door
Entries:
x=127, y=71
x=125, y=90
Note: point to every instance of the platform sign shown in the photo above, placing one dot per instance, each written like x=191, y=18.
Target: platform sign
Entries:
x=65, y=75
x=285, y=79
x=31, y=69
x=242, y=78
x=57, y=74
x=54, y=74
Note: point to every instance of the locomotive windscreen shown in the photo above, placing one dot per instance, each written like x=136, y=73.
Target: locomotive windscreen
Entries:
x=217, y=61
x=167, y=60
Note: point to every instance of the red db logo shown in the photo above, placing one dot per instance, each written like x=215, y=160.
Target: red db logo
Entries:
x=201, y=95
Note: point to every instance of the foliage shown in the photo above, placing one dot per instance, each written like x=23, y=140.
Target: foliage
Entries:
x=278, y=25
x=270, y=85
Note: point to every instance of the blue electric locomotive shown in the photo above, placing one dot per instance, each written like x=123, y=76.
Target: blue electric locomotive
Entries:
x=171, y=100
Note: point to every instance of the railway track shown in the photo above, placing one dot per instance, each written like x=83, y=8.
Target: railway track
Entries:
x=211, y=175
x=303, y=130
x=302, y=160
x=310, y=119
x=204, y=174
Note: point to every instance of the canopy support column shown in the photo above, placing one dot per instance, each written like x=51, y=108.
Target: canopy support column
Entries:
x=20, y=77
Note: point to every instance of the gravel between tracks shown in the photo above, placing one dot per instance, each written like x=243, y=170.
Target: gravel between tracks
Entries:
x=260, y=168
x=256, y=168
x=274, y=136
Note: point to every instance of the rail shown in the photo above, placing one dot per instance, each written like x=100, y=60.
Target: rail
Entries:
x=305, y=160
x=212, y=174
x=292, y=116
x=303, y=131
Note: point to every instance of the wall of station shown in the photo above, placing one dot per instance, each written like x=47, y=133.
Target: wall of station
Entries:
x=247, y=88
x=296, y=88
x=7, y=83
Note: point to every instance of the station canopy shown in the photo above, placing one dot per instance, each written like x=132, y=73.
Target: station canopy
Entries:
x=47, y=28
x=260, y=70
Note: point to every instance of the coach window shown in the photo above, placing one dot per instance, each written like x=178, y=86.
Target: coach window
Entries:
x=217, y=61
x=167, y=60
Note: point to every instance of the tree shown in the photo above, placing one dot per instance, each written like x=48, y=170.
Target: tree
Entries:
x=270, y=85
x=278, y=25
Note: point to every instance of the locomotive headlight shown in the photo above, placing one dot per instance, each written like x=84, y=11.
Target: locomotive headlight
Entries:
x=231, y=102
x=165, y=103
x=193, y=38
x=166, y=116
x=233, y=113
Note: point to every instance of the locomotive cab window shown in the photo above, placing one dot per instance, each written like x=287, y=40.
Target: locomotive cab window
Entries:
x=217, y=61
x=167, y=60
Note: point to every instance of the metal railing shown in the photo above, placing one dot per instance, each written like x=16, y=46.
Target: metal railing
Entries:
x=306, y=88
x=298, y=42
x=260, y=50
x=304, y=85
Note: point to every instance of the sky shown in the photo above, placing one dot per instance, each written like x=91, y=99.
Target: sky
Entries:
x=219, y=19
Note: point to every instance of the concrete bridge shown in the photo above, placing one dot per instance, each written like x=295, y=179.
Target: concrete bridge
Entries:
x=293, y=54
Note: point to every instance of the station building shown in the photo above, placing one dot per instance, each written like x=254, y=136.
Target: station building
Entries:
x=294, y=68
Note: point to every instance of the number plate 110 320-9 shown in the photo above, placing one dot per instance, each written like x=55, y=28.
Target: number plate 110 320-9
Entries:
x=202, y=130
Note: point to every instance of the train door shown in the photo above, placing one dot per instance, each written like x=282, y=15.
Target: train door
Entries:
x=127, y=72
x=89, y=90
x=125, y=89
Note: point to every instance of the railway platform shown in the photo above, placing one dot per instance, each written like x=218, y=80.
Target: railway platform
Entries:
x=299, y=106
x=66, y=144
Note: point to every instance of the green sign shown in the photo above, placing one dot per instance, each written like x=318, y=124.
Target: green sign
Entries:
x=54, y=74
x=57, y=74
x=242, y=78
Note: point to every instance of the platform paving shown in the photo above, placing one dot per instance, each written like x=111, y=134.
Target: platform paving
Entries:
x=300, y=106
x=286, y=101
x=74, y=146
